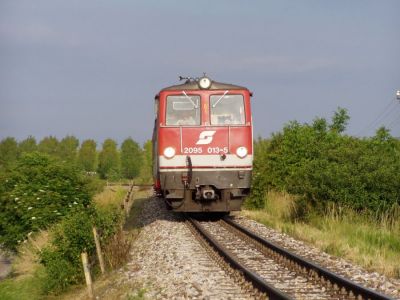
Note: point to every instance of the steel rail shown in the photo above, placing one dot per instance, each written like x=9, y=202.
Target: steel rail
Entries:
x=355, y=288
x=249, y=275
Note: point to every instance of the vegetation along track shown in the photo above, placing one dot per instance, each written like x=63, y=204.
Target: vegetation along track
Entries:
x=269, y=271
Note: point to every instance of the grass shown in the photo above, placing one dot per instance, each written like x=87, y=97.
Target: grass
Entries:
x=27, y=274
x=20, y=288
x=111, y=195
x=108, y=289
x=131, y=221
x=137, y=296
x=354, y=236
x=27, y=258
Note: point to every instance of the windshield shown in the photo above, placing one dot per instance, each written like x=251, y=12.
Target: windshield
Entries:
x=227, y=109
x=183, y=110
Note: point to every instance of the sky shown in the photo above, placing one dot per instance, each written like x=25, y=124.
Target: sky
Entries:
x=92, y=68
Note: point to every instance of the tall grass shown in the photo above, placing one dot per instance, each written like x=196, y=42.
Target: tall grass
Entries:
x=110, y=196
x=365, y=238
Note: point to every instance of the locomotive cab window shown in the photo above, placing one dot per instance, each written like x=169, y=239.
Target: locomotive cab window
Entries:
x=183, y=110
x=227, y=110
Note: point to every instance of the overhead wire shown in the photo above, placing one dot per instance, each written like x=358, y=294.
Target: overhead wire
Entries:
x=382, y=116
x=395, y=120
x=394, y=129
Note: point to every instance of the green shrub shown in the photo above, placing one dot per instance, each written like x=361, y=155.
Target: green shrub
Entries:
x=108, y=220
x=259, y=184
x=60, y=273
x=61, y=259
x=95, y=185
x=72, y=236
x=36, y=193
x=324, y=166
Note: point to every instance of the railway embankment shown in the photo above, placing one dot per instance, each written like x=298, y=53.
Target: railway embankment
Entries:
x=167, y=261
x=337, y=264
x=342, y=233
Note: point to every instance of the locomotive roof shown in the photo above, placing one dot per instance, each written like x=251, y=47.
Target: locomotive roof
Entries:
x=194, y=85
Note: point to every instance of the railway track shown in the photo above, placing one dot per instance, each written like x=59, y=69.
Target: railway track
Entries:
x=266, y=270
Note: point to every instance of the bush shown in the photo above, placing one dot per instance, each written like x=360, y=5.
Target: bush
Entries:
x=324, y=166
x=108, y=220
x=60, y=273
x=72, y=236
x=41, y=191
x=36, y=193
x=95, y=185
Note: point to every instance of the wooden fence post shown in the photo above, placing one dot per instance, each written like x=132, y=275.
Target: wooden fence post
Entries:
x=98, y=250
x=88, y=278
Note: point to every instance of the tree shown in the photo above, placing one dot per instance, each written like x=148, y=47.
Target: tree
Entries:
x=382, y=134
x=109, y=161
x=339, y=120
x=320, y=125
x=87, y=155
x=67, y=148
x=49, y=145
x=8, y=151
x=131, y=158
x=28, y=145
x=146, y=172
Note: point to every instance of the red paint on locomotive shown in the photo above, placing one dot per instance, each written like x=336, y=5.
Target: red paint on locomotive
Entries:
x=203, y=135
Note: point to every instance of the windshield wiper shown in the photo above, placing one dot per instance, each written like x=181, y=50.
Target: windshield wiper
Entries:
x=190, y=99
x=215, y=104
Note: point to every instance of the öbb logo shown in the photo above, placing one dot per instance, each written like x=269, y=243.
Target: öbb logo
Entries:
x=205, y=137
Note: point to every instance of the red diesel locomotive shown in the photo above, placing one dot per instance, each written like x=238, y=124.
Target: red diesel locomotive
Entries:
x=203, y=145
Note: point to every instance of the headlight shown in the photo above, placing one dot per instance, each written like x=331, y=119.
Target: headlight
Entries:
x=204, y=82
x=241, y=152
x=169, y=152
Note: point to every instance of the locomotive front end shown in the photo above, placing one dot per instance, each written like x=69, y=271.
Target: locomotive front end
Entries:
x=203, y=149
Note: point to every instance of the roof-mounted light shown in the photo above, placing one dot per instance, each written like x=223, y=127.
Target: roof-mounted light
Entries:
x=204, y=82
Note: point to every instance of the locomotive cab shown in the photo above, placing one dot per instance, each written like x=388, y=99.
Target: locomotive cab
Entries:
x=202, y=146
